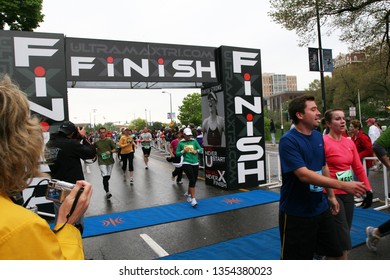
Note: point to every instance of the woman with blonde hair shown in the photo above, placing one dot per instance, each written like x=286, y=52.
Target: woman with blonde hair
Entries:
x=23, y=234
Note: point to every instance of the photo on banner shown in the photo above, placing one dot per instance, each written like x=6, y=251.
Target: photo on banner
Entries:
x=313, y=60
x=214, y=139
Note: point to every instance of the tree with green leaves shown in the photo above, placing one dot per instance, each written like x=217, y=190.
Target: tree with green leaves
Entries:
x=362, y=23
x=315, y=89
x=157, y=125
x=377, y=77
x=362, y=83
x=23, y=15
x=191, y=110
x=139, y=123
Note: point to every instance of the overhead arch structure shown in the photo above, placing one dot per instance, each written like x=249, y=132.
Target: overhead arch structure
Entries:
x=46, y=64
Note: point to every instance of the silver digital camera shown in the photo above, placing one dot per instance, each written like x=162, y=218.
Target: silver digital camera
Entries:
x=58, y=190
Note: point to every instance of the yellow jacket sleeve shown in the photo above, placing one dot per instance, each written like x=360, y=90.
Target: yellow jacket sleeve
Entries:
x=26, y=236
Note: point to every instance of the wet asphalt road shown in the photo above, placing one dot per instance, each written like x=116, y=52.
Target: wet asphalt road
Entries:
x=154, y=187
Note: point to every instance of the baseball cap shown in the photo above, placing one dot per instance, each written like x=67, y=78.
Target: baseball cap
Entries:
x=372, y=120
x=67, y=127
x=187, y=131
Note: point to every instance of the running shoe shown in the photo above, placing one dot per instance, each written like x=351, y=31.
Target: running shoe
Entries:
x=194, y=203
x=108, y=195
x=188, y=196
x=372, y=239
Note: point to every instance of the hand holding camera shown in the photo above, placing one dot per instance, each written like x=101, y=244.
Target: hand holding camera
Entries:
x=82, y=190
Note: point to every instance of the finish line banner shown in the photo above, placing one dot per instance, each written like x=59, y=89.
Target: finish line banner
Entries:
x=232, y=76
x=240, y=71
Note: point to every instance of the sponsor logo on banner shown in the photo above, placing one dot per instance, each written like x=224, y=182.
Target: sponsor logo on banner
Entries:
x=103, y=60
x=215, y=166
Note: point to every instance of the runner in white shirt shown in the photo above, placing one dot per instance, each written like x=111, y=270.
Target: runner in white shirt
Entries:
x=374, y=133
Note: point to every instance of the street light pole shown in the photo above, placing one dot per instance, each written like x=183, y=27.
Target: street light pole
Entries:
x=360, y=110
x=170, y=102
x=321, y=64
x=94, y=118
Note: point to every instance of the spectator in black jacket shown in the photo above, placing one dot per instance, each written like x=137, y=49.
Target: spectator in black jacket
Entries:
x=64, y=152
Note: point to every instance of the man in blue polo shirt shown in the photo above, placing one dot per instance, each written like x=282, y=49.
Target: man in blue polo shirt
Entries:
x=306, y=224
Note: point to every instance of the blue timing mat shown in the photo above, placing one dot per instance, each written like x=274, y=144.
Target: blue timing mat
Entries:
x=110, y=223
x=265, y=245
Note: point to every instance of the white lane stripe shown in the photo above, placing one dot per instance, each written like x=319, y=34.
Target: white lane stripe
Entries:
x=152, y=244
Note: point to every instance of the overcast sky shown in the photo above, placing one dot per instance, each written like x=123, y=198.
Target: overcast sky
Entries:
x=200, y=23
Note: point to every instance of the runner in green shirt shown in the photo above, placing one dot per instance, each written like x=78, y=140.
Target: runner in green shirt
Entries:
x=105, y=147
x=189, y=148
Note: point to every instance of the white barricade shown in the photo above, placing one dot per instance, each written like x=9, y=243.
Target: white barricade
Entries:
x=273, y=156
x=272, y=183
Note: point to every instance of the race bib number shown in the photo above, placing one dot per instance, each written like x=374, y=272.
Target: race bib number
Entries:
x=189, y=148
x=105, y=156
x=314, y=188
x=345, y=176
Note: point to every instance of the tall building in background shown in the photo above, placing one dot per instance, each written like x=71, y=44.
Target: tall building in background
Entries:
x=277, y=88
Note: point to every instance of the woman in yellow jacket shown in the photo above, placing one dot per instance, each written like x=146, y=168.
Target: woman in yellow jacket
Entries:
x=23, y=234
x=127, y=145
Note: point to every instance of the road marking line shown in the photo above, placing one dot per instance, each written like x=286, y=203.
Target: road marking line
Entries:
x=152, y=244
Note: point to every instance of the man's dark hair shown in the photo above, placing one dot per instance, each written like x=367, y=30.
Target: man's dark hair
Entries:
x=298, y=105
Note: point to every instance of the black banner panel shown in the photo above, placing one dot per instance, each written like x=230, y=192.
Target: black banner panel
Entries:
x=240, y=70
x=103, y=60
x=36, y=61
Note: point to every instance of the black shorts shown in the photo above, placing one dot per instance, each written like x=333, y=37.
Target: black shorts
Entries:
x=146, y=151
x=379, y=150
x=302, y=238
